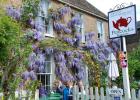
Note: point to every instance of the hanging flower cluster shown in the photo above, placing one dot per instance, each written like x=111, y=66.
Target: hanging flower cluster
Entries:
x=29, y=75
x=34, y=35
x=76, y=20
x=37, y=61
x=115, y=44
x=13, y=12
x=99, y=49
x=61, y=68
x=58, y=15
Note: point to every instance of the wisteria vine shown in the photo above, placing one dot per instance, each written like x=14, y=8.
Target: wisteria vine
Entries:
x=70, y=64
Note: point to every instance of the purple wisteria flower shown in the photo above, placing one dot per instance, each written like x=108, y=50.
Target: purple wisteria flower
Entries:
x=59, y=57
x=64, y=11
x=76, y=62
x=92, y=45
x=79, y=55
x=58, y=26
x=14, y=13
x=58, y=70
x=107, y=51
x=62, y=64
x=49, y=51
x=80, y=75
x=93, y=51
x=55, y=16
x=31, y=22
x=42, y=91
x=89, y=36
x=78, y=37
x=115, y=44
x=33, y=75
x=38, y=35
x=32, y=59
x=26, y=75
x=69, y=53
x=41, y=69
x=67, y=30
x=76, y=20
x=101, y=57
x=69, y=40
x=66, y=77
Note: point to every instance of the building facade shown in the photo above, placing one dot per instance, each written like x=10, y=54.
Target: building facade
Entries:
x=93, y=20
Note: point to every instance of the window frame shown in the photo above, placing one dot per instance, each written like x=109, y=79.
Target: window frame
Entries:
x=81, y=28
x=51, y=74
x=101, y=35
x=48, y=32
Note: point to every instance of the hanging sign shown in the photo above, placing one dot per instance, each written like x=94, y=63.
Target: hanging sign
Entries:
x=122, y=22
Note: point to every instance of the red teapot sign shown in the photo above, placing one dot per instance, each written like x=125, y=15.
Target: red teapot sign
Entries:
x=122, y=22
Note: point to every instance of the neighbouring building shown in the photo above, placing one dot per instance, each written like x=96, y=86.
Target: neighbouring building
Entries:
x=133, y=41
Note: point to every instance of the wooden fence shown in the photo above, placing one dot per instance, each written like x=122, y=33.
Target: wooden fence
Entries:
x=101, y=94
x=89, y=94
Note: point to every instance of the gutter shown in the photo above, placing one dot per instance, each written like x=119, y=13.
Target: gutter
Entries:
x=82, y=10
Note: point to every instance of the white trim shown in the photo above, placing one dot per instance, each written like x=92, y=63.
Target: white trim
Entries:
x=43, y=73
x=49, y=35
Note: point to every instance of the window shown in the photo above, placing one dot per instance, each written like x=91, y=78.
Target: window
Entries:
x=100, y=29
x=80, y=28
x=42, y=23
x=47, y=77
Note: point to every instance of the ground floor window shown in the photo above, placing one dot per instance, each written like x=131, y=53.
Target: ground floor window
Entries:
x=47, y=77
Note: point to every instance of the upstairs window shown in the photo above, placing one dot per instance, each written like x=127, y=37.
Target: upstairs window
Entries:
x=100, y=28
x=42, y=23
x=80, y=27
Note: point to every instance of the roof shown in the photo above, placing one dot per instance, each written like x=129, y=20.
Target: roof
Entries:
x=138, y=25
x=86, y=6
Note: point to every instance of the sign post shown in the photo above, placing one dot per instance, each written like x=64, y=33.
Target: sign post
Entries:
x=122, y=22
x=126, y=82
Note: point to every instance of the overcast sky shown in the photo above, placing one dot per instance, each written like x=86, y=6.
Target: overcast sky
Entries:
x=106, y=5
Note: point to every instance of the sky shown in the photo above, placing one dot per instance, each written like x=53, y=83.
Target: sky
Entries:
x=106, y=5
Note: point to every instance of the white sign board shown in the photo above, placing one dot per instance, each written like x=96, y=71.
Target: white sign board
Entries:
x=116, y=91
x=122, y=22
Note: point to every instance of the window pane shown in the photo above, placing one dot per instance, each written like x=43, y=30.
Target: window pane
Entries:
x=99, y=27
x=45, y=80
x=78, y=29
x=43, y=7
x=40, y=24
x=50, y=27
x=48, y=67
x=48, y=58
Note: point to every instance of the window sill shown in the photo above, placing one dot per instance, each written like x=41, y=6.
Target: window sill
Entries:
x=49, y=35
x=43, y=73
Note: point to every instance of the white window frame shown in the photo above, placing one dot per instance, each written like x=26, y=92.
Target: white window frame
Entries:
x=81, y=28
x=48, y=31
x=100, y=29
x=52, y=76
